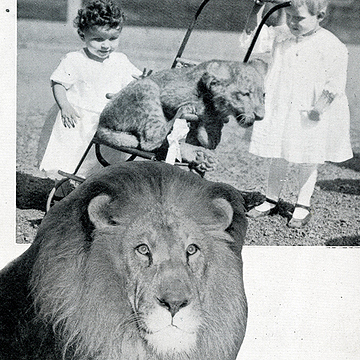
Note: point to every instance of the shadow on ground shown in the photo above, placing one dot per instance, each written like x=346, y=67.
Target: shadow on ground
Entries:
x=345, y=186
x=344, y=241
x=32, y=192
x=353, y=163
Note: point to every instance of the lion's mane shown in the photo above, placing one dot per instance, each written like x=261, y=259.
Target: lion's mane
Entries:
x=133, y=242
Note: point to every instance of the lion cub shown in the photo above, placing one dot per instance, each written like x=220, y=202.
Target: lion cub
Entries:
x=142, y=114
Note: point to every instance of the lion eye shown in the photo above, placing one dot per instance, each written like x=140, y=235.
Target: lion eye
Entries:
x=143, y=249
x=192, y=249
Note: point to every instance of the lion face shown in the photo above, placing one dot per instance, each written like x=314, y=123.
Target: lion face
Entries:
x=171, y=261
x=230, y=89
x=237, y=89
x=157, y=276
x=167, y=257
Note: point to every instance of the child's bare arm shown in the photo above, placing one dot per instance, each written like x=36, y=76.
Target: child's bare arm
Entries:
x=68, y=114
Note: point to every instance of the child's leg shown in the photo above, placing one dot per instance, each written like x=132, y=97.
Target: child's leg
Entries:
x=276, y=178
x=307, y=179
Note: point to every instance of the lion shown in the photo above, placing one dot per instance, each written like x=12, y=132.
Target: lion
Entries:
x=141, y=261
x=143, y=113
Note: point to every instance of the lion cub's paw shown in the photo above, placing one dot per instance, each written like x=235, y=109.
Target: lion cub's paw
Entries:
x=187, y=111
x=201, y=159
x=205, y=161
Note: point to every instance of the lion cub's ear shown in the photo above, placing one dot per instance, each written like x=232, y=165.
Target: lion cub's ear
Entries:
x=225, y=212
x=260, y=65
x=98, y=211
x=216, y=73
x=219, y=70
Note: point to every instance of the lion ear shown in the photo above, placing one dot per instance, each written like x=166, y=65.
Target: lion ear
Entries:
x=219, y=71
x=231, y=203
x=216, y=72
x=225, y=212
x=260, y=65
x=98, y=211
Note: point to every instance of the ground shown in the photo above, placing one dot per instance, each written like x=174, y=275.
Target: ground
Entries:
x=335, y=203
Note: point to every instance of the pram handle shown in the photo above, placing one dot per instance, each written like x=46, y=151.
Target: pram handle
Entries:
x=187, y=35
x=257, y=33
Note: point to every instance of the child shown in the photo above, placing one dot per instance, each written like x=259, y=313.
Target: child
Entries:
x=307, y=119
x=80, y=84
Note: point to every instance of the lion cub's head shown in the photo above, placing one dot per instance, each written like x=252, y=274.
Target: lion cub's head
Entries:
x=237, y=89
x=229, y=89
x=143, y=261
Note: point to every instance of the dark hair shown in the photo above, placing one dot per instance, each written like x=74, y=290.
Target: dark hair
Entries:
x=99, y=13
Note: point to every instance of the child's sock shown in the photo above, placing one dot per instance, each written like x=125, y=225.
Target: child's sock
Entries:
x=307, y=180
x=276, y=179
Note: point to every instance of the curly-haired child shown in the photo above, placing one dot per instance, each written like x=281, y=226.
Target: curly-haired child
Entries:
x=80, y=84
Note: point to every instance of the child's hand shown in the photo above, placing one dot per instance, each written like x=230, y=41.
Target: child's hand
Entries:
x=321, y=105
x=69, y=116
x=143, y=75
x=314, y=115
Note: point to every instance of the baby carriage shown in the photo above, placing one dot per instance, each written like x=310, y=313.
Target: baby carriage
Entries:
x=66, y=185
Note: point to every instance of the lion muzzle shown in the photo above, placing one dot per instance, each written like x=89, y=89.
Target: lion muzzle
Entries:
x=173, y=323
x=173, y=302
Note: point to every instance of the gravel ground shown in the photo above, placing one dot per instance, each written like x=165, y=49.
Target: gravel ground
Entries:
x=336, y=204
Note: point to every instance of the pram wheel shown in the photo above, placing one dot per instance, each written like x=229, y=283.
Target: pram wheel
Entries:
x=61, y=189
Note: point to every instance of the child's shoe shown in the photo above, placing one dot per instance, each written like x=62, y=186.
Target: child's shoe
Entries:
x=255, y=213
x=298, y=223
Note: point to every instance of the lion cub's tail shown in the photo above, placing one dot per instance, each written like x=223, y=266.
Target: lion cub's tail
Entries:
x=116, y=138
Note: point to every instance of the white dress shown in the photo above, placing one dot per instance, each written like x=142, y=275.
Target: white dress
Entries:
x=300, y=70
x=86, y=82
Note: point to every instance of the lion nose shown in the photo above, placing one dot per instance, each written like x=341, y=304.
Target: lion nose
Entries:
x=259, y=113
x=173, y=303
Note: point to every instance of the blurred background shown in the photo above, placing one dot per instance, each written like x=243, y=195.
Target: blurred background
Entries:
x=220, y=15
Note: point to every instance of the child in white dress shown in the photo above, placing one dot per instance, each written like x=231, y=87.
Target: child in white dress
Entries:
x=80, y=84
x=307, y=118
